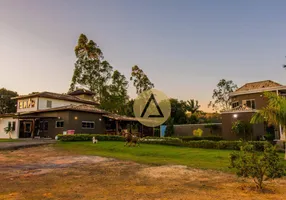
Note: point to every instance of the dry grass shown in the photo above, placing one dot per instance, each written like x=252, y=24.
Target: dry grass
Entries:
x=44, y=173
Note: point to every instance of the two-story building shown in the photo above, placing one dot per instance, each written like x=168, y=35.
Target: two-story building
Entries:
x=245, y=101
x=47, y=114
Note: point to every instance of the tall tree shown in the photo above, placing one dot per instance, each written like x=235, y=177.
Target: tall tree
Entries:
x=192, y=105
x=116, y=98
x=221, y=95
x=7, y=105
x=178, y=111
x=91, y=70
x=140, y=80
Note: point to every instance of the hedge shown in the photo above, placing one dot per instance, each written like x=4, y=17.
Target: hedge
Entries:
x=206, y=144
x=230, y=145
x=191, y=138
x=88, y=137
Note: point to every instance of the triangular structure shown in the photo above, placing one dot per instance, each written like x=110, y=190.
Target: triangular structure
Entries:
x=157, y=106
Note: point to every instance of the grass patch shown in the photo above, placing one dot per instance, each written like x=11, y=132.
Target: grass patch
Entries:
x=155, y=154
x=10, y=140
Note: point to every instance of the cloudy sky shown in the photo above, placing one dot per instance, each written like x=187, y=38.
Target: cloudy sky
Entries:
x=185, y=47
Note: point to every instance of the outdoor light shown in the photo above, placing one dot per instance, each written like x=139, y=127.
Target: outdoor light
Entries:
x=234, y=115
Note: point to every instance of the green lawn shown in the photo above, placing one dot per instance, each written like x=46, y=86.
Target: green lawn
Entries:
x=155, y=154
x=10, y=140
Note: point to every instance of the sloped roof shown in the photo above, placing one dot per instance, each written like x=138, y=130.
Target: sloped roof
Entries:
x=81, y=91
x=119, y=117
x=57, y=96
x=83, y=108
x=258, y=85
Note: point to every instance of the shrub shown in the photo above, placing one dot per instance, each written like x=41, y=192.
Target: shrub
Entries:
x=257, y=165
x=231, y=145
x=164, y=140
x=242, y=129
x=88, y=137
x=198, y=132
x=191, y=138
x=170, y=128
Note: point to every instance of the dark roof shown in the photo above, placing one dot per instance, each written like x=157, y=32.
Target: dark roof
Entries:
x=7, y=115
x=81, y=91
x=82, y=108
x=258, y=85
x=57, y=96
x=119, y=117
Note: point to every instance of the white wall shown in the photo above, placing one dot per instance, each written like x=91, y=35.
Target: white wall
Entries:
x=27, y=109
x=4, y=123
x=55, y=103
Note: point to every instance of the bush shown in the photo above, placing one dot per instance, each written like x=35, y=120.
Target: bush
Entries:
x=88, y=137
x=191, y=138
x=206, y=144
x=162, y=140
x=257, y=165
x=230, y=145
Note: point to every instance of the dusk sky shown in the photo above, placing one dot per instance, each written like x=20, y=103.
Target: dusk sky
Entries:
x=185, y=47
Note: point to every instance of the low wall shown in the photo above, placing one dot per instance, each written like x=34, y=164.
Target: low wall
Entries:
x=187, y=129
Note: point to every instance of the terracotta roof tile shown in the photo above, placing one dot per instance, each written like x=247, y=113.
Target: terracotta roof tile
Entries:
x=258, y=85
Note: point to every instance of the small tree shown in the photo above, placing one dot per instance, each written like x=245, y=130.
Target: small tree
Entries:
x=8, y=130
x=170, y=128
x=256, y=165
x=242, y=129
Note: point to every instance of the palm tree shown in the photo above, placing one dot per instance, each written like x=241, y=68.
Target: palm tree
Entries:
x=274, y=112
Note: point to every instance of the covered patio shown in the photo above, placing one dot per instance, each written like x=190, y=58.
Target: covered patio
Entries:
x=118, y=124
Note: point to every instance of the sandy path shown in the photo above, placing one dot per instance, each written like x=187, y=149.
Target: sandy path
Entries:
x=44, y=173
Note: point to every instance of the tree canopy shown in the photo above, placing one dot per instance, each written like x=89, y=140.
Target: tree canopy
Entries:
x=140, y=80
x=221, y=95
x=7, y=105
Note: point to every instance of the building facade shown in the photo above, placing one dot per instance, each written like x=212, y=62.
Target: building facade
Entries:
x=47, y=114
x=245, y=101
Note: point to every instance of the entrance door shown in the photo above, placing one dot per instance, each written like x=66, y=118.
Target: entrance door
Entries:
x=26, y=128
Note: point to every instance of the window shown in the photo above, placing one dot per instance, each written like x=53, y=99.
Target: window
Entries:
x=44, y=125
x=249, y=103
x=87, y=124
x=60, y=124
x=27, y=127
x=13, y=126
x=235, y=104
x=9, y=125
x=49, y=104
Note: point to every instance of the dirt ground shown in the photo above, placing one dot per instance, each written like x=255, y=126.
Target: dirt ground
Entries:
x=46, y=173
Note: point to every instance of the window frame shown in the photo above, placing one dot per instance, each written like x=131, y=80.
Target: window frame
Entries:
x=252, y=102
x=235, y=103
x=48, y=101
x=25, y=127
x=56, y=124
x=91, y=122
